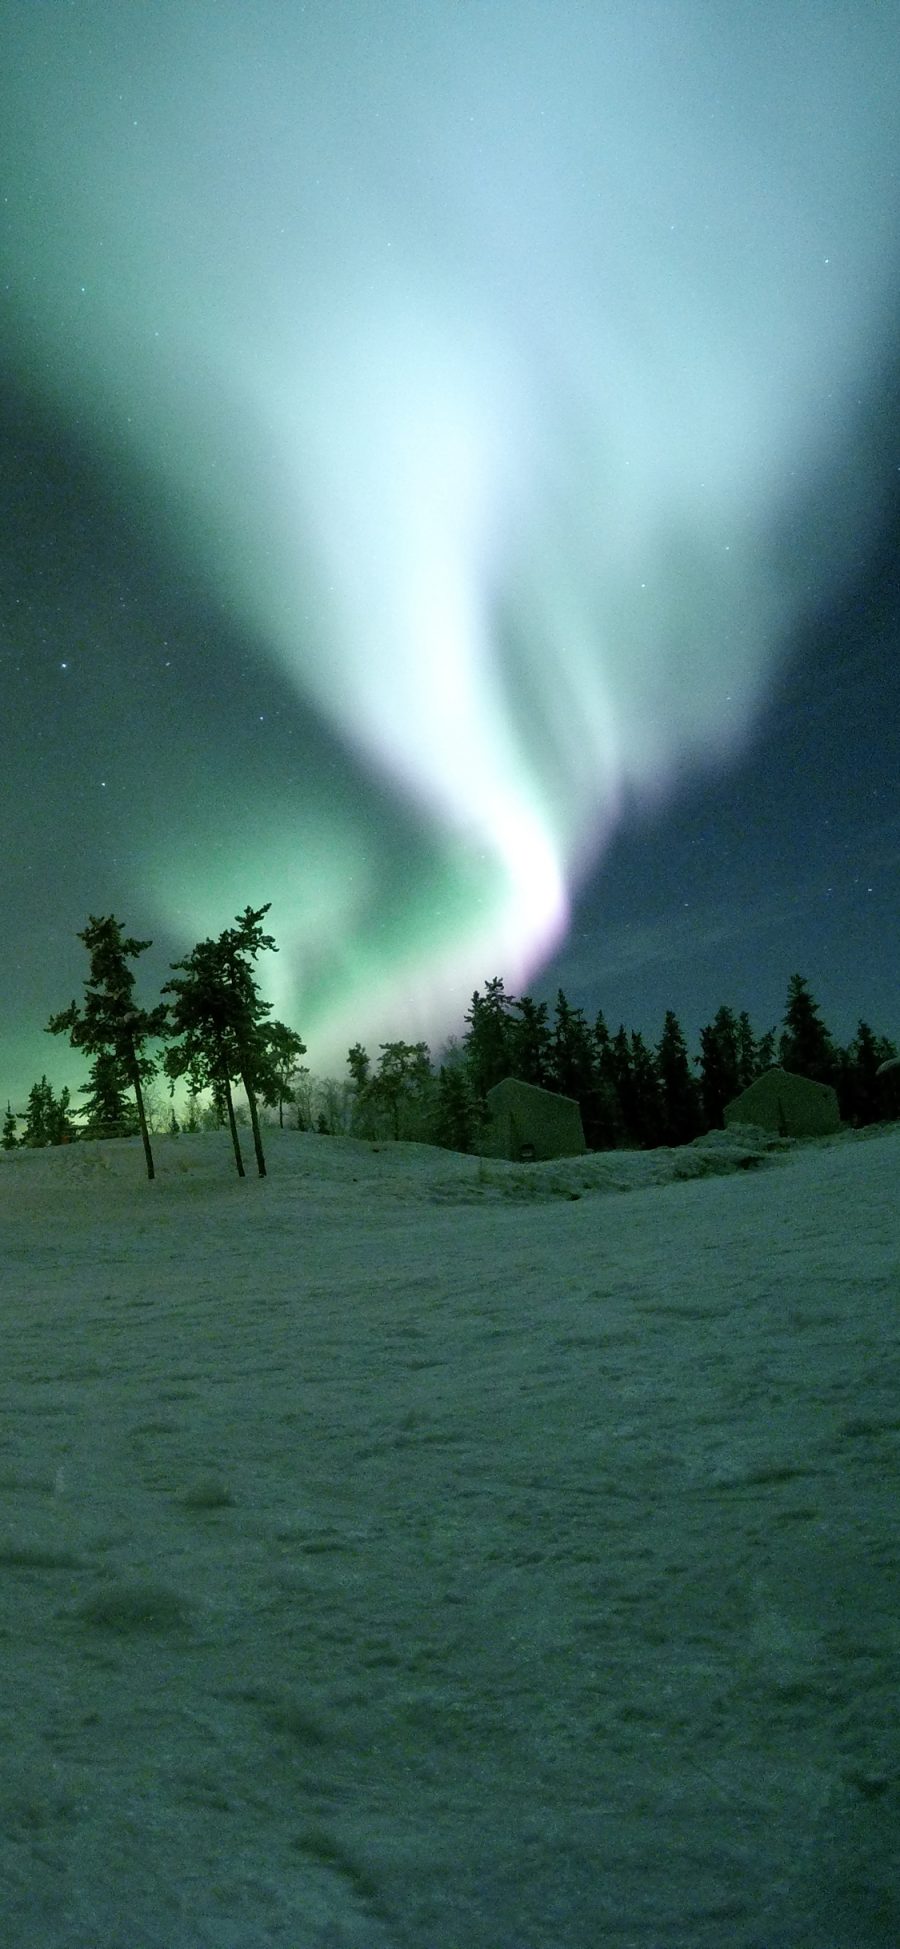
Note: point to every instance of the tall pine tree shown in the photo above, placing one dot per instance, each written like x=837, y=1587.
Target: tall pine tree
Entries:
x=282, y=1047
x=456, y=1122
x=402, y=1085
x=605, y=1112
x=623, y=1076
x=218, y=1020
x=107, y=1112
x=572, y=1052
x=47, y=1118
x=649, y=1114
x=748, y=1052
x=530, y=1049
x=860, y=1088
x=681, y=1114
x=110, y=1022
x=490, y=1039
x=720, y=1066
x=806, y=1046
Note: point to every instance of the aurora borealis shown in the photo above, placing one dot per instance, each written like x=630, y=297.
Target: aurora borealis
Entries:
x=430, y=433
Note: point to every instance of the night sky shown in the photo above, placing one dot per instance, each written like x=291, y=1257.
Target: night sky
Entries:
x=451, y=490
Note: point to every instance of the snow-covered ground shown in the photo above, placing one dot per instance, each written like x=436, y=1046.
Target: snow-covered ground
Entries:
x=406, y=1553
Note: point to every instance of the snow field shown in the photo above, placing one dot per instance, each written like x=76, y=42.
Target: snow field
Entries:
x=402, y=1553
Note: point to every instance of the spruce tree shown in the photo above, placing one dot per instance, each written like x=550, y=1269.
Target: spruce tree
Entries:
x=359, y=1066
x=571, y=1052
x=9, y=1138
x=203, y=1046
x=206, y=1020
x=681, y=1114
x=605, y=1111
x=281, y=1049
x=110, y=1023
x=530, y=1048
x=214, y=1115
x=192, y=1121
x=489, y=1040
x=47, y=1118
x=860, y=1089
x=364, y=1118
x=765, y=1052
x=108, y=1112
x=37, y=1115
x=623, y=1074
x=335, y=1113
x=720, y=1067
x=239, y=947
x=218, y=1021
x=401, y=1084
x=806, y=1045
x=648, y=1100
x=748, y=1065
x=457, y=1121
x=60, y=1128
x=302, y=1099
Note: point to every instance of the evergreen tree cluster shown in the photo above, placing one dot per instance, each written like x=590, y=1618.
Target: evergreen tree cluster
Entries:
x=630, y=1092
x=215, y=1033
x=47, y=1119
x=807, y=1047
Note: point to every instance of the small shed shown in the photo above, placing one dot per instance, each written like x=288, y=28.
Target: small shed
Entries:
x=529, y=1123
x=793, y=1106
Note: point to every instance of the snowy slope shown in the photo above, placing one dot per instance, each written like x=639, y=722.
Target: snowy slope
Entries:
x=402, y=1553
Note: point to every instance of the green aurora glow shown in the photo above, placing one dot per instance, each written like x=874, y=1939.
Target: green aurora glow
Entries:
x=467, y=364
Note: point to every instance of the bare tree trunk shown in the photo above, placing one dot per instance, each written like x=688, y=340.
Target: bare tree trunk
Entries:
x=232, y=1125
x=254, y=1124
x=142, y=1115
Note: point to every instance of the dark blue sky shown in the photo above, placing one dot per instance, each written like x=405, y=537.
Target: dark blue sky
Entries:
x=790, y=860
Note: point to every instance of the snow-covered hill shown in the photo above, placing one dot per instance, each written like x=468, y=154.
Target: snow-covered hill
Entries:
x=406, y=1553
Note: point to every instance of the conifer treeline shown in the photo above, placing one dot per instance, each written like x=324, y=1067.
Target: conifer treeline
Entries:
x=632, y=1093
x=216, y=1032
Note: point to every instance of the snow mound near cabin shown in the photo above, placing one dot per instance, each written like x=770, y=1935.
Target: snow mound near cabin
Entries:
x=337, y=1170
x=340, y=1169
